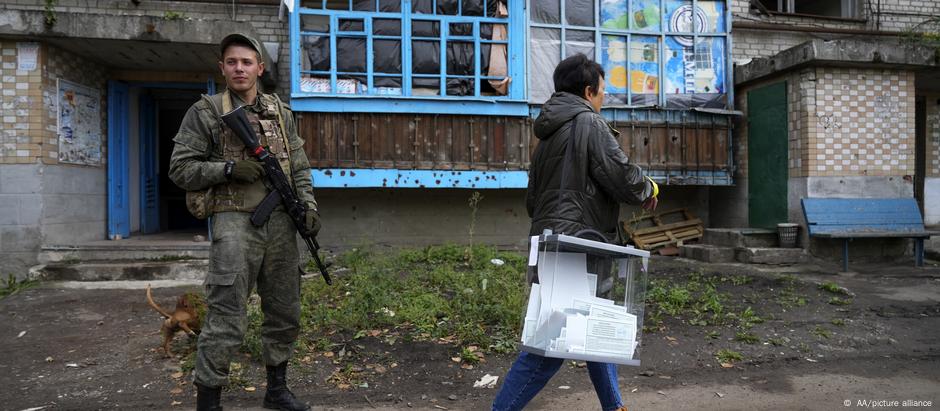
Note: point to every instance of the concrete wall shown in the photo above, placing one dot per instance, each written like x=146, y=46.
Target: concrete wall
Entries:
x=932, y=160
x=20, y=215
x=415, y=217
x=263, y=19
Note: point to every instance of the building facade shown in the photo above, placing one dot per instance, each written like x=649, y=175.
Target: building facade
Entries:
x=409, y=107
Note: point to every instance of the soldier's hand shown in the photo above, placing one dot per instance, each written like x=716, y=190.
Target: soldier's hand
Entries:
x=247, y=171
x=312, y=222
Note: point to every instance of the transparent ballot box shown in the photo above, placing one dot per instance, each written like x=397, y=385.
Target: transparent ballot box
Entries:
x=586, y=301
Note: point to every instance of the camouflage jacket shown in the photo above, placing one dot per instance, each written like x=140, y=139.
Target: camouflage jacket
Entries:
x=199, y=155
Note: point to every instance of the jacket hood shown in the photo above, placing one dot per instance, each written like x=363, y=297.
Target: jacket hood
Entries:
x=558, y=110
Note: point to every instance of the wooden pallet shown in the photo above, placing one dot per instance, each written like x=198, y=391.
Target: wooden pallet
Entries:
x=673, y=227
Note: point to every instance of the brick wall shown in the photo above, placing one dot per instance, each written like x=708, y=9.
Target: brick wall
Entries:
x=894, y=16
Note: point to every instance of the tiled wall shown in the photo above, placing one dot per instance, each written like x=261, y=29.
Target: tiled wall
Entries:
x=859, y=122
x=21, y=123
x=28, y=102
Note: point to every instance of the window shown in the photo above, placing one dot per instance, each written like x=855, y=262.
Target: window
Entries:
x=409, y=50
x=825, y=8
x=655, y=52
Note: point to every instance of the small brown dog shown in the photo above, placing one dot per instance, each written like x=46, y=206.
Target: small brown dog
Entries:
x=187, y=317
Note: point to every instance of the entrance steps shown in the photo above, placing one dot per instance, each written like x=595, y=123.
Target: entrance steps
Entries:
x=159, y=257
x=743, y=245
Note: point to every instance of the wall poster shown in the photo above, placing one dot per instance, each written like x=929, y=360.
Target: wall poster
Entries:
x=79, y=123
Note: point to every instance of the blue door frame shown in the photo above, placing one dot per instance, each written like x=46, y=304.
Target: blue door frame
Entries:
x=119, y=218
x=149, y=173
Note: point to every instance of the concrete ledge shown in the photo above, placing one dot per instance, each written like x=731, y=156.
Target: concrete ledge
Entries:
x=756, y=255
x=867, y=53
x=740, y=237
x=707, y=253
x=122, y=270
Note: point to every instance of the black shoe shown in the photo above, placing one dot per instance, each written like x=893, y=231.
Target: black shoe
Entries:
x=208, y=398
x=278, y=396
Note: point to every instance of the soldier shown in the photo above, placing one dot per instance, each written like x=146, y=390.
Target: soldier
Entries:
x=211, y=163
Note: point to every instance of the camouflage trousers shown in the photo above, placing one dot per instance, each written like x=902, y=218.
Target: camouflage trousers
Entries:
x=243, y=257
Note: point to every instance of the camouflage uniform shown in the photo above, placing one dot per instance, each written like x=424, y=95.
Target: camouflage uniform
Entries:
x=243, y=256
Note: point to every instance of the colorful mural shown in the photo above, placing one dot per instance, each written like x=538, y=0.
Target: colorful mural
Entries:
x=694, y=70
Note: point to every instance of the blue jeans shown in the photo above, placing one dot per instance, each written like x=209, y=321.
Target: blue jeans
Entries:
x=531, y=372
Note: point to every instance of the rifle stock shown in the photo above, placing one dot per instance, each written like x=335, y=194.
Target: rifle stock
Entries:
x=237, y=120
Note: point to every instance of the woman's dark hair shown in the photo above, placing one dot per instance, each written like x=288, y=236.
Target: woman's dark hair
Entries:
x=575, y=73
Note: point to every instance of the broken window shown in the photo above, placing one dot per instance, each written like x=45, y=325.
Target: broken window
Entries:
x=653, y=52
x=824, y=8
x=376, y=54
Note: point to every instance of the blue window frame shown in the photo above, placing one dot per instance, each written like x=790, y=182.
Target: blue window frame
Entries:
x=656, y=53
x=409, y=56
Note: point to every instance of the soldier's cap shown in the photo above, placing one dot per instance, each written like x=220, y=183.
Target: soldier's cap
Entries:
x=241, y=39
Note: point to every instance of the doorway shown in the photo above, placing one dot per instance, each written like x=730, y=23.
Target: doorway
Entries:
x=767, y=156
x=142, y=199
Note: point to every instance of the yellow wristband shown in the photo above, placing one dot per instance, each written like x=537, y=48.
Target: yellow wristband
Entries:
x=655, y=187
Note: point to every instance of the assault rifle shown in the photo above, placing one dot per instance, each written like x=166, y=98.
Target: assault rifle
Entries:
x=281, y=191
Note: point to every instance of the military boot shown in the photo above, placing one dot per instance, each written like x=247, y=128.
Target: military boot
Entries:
x=208, y=398
x=278, y=396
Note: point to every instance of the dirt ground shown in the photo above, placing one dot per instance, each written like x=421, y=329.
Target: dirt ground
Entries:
x=86, y=349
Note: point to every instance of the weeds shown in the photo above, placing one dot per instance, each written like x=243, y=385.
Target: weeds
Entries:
x=12, y=286
x=728, y=356
x=838, y=321
x=833, y=288
x=819, y=331
x=840, y=301
x=746, y=338
x=788, y=297
x=426, y=293
x=697, y=299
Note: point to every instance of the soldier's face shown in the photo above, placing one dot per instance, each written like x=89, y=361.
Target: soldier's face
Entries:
x=241, y=68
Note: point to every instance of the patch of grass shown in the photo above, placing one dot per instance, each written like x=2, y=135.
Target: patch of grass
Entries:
x=833, y=288
x=427, y=293
x=748, y=318
x=788, y=296
x=840, y=301
x=740, y=280
x=746, y=338
x=821, y=332
x=777, y=342
x=728, y=356
x=12, y=286
x=696, y=299
x=712, y=335
x=838, y=321
x=173, y=15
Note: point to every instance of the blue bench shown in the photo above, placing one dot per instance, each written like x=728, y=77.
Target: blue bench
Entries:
x=849, y=218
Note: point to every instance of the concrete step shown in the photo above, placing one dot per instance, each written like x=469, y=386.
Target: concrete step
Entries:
x=707, y=253
x=124, y=252
x=761, y=255
x=193, y=269
x=740, y=237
